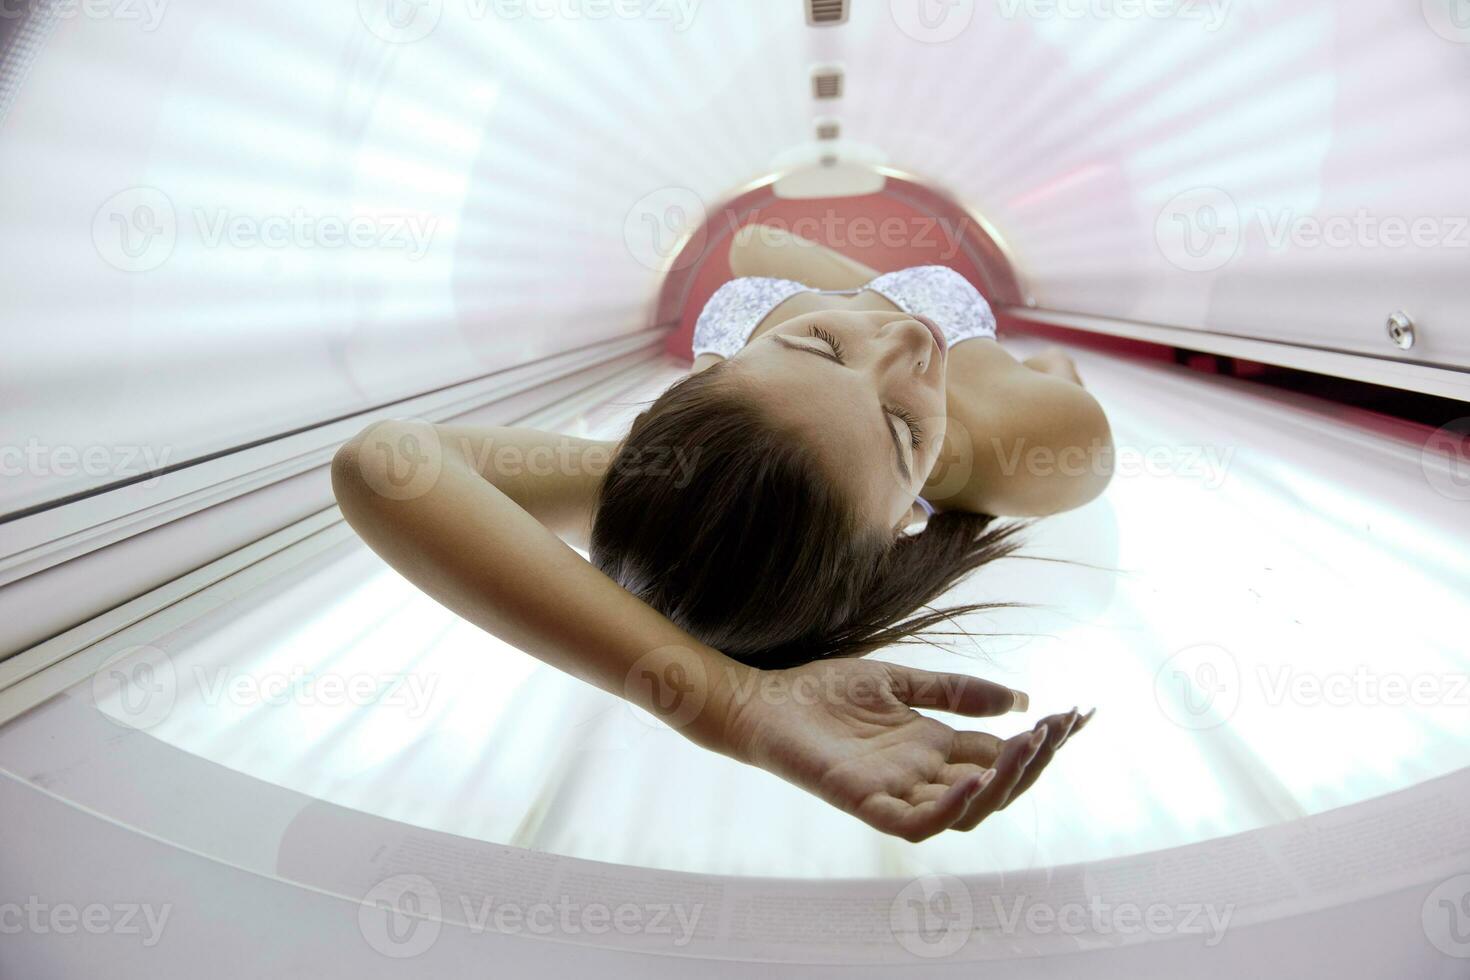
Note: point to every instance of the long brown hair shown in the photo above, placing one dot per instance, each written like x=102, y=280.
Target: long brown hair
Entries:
x=751, y=549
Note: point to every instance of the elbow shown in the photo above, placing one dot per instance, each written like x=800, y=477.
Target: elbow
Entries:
x=1086, y=460
x=1064, y=472
x=387, y=462
x=1095, y=448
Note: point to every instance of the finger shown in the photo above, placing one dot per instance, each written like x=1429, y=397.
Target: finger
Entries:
x=946, y=777
x=975, y=748
x=960, y=693
x=1009, y=770
x=926, y=793
x=1058, y=727
x=916, y=823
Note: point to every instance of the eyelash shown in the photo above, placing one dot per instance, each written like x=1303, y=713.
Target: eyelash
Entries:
x=916, y=436
x=827, y=339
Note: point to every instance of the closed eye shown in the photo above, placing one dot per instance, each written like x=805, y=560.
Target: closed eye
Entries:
x=826, y=337
x=916, y=433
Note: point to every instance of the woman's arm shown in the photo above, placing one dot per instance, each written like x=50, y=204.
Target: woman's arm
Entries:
x=440, y=505
x=766, y=250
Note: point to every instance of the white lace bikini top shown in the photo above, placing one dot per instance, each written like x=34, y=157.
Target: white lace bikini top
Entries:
x=935, y=291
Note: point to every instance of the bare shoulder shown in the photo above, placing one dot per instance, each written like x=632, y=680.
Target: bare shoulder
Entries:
x=1028, y=438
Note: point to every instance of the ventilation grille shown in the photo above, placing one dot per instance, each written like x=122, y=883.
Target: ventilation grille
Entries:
x=827, y=83
x=826, y=13
x=828, y=129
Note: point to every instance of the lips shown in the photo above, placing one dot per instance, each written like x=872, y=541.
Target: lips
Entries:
x=938, y=334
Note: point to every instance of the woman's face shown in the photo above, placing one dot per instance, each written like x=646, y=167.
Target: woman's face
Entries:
x=866, y=389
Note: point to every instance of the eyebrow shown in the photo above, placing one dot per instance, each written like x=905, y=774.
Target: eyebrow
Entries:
x=898, y=453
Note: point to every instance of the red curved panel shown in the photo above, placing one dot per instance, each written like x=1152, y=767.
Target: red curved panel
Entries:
x=904, y=224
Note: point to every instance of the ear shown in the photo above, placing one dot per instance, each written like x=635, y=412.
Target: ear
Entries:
x=915, y=515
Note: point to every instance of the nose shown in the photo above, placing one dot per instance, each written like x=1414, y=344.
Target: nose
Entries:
x=910, y=340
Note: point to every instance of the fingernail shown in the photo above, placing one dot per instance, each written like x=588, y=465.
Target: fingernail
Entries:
x=1084, y=720
x=982, y=782
x=1038, y=736
x=1020, y=700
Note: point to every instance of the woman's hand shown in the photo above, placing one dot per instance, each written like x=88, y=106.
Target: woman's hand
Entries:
x=847, y=731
